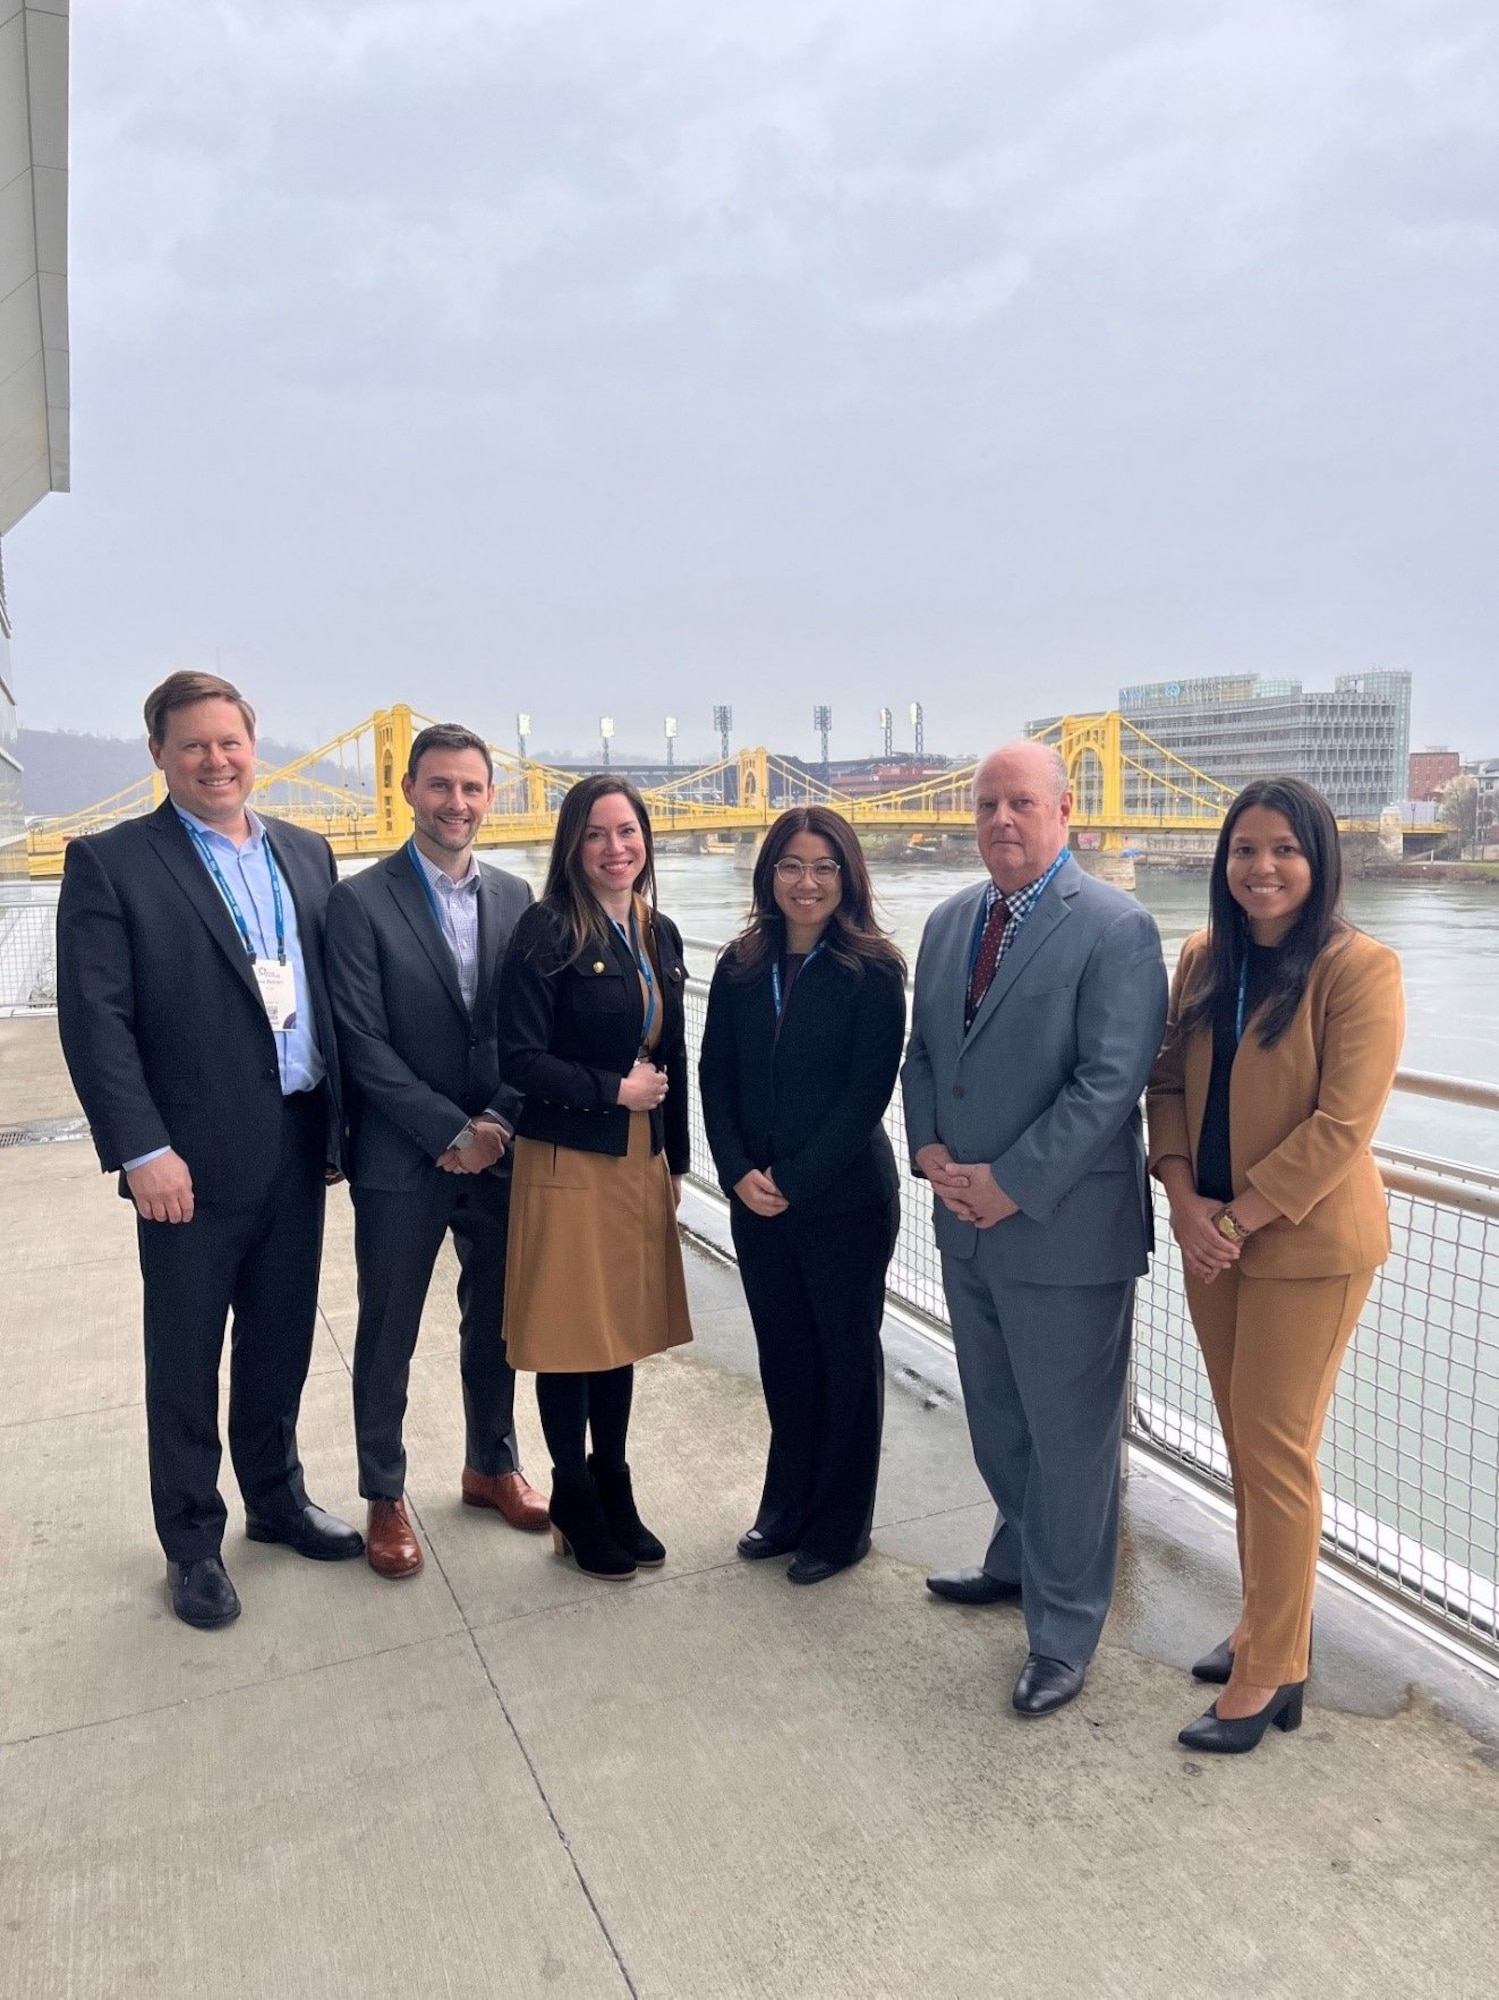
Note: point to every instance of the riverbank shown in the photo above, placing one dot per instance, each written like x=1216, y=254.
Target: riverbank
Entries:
x=502, y=1779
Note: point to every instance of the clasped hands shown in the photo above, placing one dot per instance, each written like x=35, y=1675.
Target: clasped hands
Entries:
x=644, y=1088
x=759, y=1193
x=486, y=1151
x=970, y=1191
x=1206, y=1251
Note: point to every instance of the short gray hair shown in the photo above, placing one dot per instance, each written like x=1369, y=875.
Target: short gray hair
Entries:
x=1055, y=762
x=1057, y=765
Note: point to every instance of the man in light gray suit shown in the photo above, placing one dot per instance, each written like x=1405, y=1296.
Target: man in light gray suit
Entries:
x=1040, y=1005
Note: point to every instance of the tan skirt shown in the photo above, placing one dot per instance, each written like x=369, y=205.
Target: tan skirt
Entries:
x=593, y=1272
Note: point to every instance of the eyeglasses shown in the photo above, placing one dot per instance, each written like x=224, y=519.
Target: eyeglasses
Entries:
x=789, y=870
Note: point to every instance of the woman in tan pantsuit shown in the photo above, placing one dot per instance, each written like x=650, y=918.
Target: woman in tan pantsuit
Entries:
x=1284, y=1034
x=592, y=1031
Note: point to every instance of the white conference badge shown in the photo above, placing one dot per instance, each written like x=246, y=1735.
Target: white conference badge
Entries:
x=278, y=993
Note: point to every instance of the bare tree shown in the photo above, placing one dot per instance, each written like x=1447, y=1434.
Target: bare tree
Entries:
x=1458, y=803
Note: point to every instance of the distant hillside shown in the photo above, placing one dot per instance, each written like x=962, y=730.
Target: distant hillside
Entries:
x=66, y=770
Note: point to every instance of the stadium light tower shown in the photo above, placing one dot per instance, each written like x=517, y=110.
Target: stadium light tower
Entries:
x=918, y=729
x=671, y=745
x=723, y=722
x=606, y=734
x=822, y=722
x=887, y=731
x=523, y=734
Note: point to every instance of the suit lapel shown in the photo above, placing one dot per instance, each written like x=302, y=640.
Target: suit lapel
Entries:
x=175, y=846
x=294, y=864
x=953, y=973
x=491, y=927
x=1052, y=910
x=411, y=900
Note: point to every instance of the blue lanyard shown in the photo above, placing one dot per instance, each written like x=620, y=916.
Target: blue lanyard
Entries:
x=983, y=915
x=228, y=894
x=775, y=976
x=643, y=967
x=1243, y=995
x=427, y=890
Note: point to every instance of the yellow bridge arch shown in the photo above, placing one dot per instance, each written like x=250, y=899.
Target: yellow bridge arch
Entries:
x=1126, y=787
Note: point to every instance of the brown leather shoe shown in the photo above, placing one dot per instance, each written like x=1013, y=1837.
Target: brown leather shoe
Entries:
x=390, y=1540
x=509, y=1494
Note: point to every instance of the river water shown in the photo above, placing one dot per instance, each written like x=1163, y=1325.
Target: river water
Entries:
x=1447, y=935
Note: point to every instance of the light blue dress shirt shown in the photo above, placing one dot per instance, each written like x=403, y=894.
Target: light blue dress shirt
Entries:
x=247, y=871
x=458, y=907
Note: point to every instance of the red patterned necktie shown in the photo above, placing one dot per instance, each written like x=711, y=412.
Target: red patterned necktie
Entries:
x=982, y=976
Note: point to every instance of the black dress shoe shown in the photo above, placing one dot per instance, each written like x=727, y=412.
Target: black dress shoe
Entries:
x=1217, y=1666
x=311, y=1533
x=202, y=1594
x=1045, y=1685
x=1232, y=1735
x=972, y=1586
x=805, y=1568
x=755, y=1547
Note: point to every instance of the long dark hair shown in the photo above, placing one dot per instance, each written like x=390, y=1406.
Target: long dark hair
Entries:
x=852, y=936
x=1319, y=922
x=566, y=884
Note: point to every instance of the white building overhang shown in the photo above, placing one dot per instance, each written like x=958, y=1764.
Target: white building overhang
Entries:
x=33, y=254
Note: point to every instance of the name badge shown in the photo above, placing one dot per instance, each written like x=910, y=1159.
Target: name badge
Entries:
x=278, y=993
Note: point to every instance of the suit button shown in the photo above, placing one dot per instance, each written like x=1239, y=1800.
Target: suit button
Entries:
x=957, y=1090
x=273, y=1076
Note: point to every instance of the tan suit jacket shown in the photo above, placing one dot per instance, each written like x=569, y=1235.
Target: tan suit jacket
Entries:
x=1302, y=1115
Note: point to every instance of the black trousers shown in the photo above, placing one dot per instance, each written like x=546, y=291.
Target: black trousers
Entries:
x=261, y=1263
x=396, y=1241
x=815, y=1285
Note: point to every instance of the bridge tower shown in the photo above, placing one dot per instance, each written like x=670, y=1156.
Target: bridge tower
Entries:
x=1092, y=748
x=754, y=782
x=393, y=735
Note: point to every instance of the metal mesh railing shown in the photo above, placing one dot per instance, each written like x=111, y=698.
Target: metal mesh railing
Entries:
x=28, y=956
x=1410, y=1456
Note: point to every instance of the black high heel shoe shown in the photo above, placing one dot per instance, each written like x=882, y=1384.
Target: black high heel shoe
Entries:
x=580, y=1529
x=617, y=1496
x=1232, y=1735
x=1217, y=1666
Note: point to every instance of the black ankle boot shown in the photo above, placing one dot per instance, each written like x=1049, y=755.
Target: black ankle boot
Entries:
x=1232, y=1735
x=618, y=1499
x=580, y=1530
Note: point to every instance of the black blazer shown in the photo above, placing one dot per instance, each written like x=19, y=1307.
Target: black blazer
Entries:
x=162, y=1024
x=808, y=1104
x=570, y=1029
x=417, y=1065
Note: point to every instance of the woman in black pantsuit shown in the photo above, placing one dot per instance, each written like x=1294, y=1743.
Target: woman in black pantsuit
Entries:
x=806, y=1019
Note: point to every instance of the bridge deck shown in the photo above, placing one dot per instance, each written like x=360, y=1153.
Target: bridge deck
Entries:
x=502, y=1779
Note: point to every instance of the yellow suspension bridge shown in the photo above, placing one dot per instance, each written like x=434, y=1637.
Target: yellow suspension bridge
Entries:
x=1126, y=787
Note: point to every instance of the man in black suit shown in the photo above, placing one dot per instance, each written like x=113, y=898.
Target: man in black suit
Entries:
x=415, y=945
x=197, y=1030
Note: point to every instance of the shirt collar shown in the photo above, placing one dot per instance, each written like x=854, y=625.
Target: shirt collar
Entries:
x=444, y=883
x=1020, y=901
x=256, y=826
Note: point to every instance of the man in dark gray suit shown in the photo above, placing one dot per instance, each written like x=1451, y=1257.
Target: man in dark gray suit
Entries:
x=415, y=945
x=1040, y=1005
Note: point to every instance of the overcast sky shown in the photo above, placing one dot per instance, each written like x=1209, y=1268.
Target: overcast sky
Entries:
x=627, y=358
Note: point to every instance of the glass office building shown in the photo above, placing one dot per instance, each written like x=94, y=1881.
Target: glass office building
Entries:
x=1353, y=744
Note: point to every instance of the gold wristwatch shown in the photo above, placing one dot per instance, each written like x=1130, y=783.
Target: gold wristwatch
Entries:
x=1228, y=1224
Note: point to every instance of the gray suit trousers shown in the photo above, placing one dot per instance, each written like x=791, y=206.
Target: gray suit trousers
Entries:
x=1044, y=1370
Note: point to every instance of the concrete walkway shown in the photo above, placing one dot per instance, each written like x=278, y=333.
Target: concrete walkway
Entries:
x=500, y=1778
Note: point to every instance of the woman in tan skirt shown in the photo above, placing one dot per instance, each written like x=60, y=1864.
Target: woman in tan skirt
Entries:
x=591, y=1030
